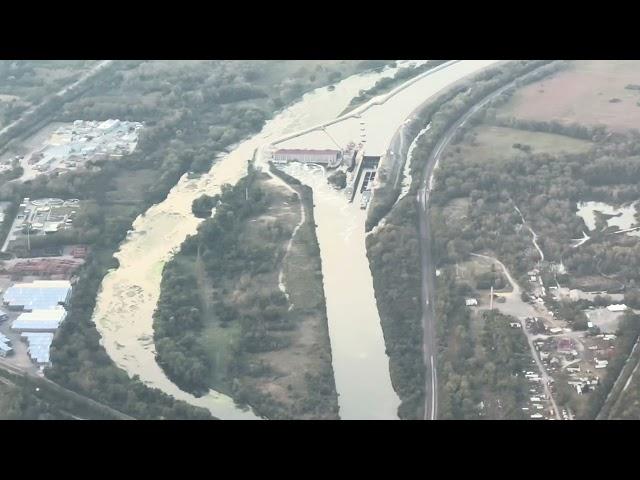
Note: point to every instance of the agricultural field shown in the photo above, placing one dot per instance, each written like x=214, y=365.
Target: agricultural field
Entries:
x=588, y=92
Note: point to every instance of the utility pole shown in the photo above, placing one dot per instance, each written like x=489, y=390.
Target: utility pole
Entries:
x=491, y=299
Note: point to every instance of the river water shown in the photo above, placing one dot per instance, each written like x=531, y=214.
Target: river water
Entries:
x=129, y=294
x=360, y=362
x=625, y=215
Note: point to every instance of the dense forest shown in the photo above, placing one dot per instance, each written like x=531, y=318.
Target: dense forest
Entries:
x=178, y=317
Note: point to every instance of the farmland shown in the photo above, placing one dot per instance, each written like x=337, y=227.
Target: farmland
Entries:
x=588, y=92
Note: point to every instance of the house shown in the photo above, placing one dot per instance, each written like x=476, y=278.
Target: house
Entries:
x=471, y=302
x=601, y=363
x=564, y=345
x=620, y=307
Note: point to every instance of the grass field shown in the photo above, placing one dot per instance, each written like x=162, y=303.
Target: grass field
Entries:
x=487, y=143
x=471, y=269
x=457, y=210
x=582, y=94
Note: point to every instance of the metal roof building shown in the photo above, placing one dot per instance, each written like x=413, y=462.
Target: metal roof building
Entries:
x=5, y=346
x=39, y=346
x=40, y=320
x=38, y=295
x=5, y=349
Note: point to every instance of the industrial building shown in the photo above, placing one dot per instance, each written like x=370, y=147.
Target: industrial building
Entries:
x=72, y=145
x=37, y=295
x=40, y=320
x=42, y=303
x=39, y=346
x=43, y=216
x=332, y=158
x=5, y=346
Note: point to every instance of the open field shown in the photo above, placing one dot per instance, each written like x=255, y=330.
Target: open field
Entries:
x=488, y=143
x=583, y=93
x=475, y=268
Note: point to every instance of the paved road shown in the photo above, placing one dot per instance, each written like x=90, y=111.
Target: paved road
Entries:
x=4, y=365
x=428, y=269
x=516, y=292
x=616, y=393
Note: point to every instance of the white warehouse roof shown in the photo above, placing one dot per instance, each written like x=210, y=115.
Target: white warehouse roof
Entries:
x=40, y=320
x=621, y=307
x=38, y=295
x=39, y=346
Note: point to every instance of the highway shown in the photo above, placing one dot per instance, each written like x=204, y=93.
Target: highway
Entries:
x=428, y=269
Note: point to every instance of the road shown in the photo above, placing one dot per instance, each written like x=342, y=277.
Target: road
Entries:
x=615, y=394
x=83, y=78
x=533, y=234
x=530, y=338
x=428, y=269
x=4, y=365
